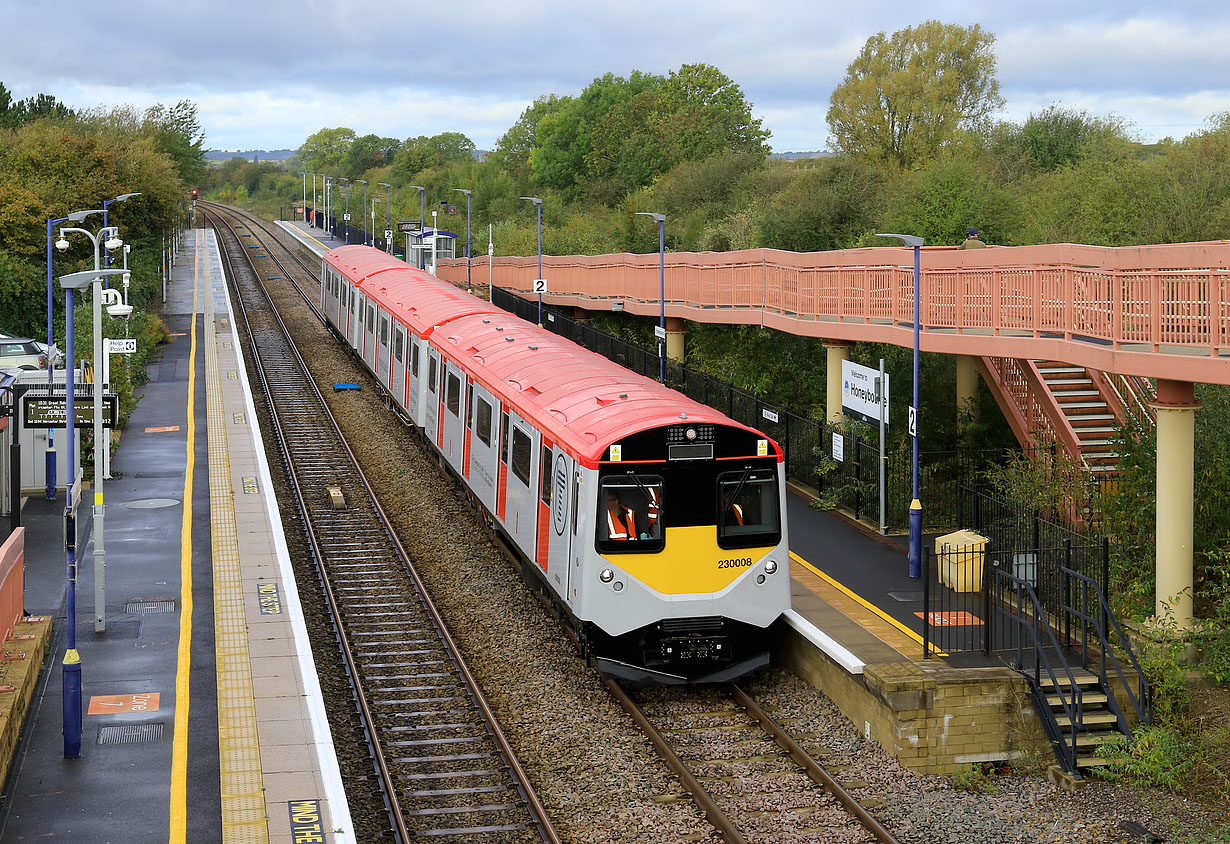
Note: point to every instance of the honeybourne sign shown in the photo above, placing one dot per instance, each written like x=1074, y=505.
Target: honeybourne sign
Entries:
x=859, y=396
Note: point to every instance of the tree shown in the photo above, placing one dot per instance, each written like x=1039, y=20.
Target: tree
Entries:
x=323, y=150
x=564, y=136
x=177, y=133
x=512, y=151
x=367, y=152
x=905, y=97
x=418, y=154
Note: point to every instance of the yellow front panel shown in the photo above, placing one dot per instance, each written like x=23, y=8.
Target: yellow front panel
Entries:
x=691, y=563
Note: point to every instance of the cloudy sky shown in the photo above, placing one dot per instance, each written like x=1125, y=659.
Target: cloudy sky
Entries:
x=268, y=73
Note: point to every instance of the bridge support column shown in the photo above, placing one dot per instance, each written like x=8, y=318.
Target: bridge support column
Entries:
x=675, y=329
x=967, y=388
x=838, y=350
x=1176, y=407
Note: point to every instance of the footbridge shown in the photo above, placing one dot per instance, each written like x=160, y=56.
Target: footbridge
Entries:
x=1067, y=336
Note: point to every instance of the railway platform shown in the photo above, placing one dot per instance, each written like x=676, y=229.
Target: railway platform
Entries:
x=202, y=713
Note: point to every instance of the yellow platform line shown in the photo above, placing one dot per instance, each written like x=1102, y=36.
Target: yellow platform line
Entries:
x=867, y=605
x=244, y=817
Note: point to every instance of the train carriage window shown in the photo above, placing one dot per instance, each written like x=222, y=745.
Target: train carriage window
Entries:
x=545, y=485
x=749, y=513
x=469, y=404
x=384, y=330
x=399, y=342
x=482, y=421
x=520, y=448
x=371, y=319
x=431, y=373
x=452, y=393
x=503, y=437
x=630, y=514
x=414, y=357
x=360, y=309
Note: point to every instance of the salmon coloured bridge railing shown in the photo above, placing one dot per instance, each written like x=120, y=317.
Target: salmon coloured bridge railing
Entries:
x=1153, y=311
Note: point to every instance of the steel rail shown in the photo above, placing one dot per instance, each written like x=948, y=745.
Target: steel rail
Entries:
x=517, y=773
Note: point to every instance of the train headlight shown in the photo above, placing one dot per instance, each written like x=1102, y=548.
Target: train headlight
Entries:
x=770, y=567
x=606, y=575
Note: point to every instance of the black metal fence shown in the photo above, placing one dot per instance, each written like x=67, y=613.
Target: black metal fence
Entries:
x=969, y=606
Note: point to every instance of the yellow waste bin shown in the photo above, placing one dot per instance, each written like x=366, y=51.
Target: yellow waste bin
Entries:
x=960, y=556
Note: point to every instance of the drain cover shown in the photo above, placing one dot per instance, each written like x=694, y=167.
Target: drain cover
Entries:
x=146, y=607
x=151, y=503
x=129, y=733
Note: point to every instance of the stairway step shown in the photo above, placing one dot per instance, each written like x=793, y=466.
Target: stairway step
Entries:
x=1087, y=443
x=1092, y=429
x=1088, y=698
x=1090, y=718
x=1066, y=382
x=1101, y=405
x=1102, y=455
x=1090, y=761
x=1045, y=366
x=1075, y=393
x=1082, y=677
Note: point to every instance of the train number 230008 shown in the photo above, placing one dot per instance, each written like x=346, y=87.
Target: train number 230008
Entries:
x=736, y=563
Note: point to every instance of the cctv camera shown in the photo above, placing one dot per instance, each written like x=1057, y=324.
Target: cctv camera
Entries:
x=119, y=311
x=62, y=244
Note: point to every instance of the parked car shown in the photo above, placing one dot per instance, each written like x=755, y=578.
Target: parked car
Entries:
x=22, y=352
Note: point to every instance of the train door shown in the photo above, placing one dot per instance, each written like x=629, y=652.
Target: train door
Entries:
x=359, y=309
x=521, y=502
x=581, y=506
x=383, y=347
x=397, y=372
x=431, y=397
x=414, y=380
x=369, y=335
x=452, y=442
x=484, y=445
x=557, y=476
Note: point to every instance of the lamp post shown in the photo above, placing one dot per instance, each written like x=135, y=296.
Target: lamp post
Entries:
x=539, y=283
x=467, y=193
x=305, y=196
x=435, y=235
x=388, y=214
x=346, y=213
x=121, y=198
x=364, y=181
x=422, y=219
x=75, y=217
x=915, y=242
x=661, y=332
x=71, y=684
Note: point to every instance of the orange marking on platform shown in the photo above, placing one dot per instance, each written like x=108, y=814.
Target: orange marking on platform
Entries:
x=162, y=430
x=123, y=704
x=951, y=619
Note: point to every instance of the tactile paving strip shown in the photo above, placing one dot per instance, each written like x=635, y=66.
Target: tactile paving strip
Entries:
x=243, y=794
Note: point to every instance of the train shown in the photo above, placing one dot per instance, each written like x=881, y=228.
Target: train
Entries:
x=654, y=523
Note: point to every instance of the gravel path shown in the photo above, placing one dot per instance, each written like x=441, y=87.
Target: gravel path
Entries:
x=596, y=774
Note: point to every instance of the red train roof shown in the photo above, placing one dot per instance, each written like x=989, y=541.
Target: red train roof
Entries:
x=577, y=397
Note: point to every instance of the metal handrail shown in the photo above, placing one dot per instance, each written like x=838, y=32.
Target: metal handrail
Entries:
x=1073, y=704
x=1141, y=702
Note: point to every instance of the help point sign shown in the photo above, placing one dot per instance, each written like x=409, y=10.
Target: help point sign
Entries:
x=859, y=397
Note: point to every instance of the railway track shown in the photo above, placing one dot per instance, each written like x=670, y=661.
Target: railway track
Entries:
x=441, y=762
x=752, y=781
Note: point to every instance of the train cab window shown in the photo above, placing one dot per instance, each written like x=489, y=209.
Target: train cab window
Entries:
x=630, y=514
x=482, y=421
x=399, y=343
x=414, y=358
x=749, y=513
x=520, y=449
x=452, y=393
x=431, y=373
x=544, y=476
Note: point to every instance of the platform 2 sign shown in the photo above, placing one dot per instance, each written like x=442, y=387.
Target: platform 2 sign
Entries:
x=52, y=411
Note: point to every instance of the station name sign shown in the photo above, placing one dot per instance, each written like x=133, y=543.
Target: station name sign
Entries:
x=860, y=397
x=51, y=411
